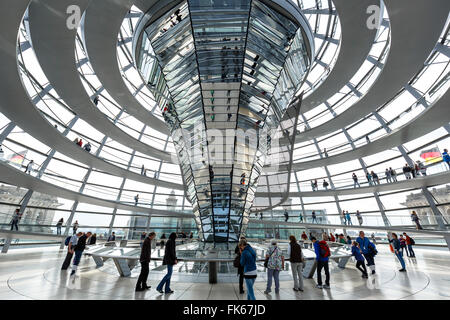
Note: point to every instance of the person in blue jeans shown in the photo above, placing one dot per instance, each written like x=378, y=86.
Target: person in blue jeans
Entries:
x=248, y=261
x=396, y=245
x=170, y=259
x=368, y=249
x=79, y=248
x=322, y=261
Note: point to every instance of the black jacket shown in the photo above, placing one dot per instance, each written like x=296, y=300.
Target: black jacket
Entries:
x=81, y=244
x=169, y=253
x=146, y=250
x=240, y=270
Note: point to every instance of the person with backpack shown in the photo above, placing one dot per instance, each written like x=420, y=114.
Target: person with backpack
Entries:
x=297, y=260
x=403, y=245
x=248, y=261
x=368, y=249
x=325, y=185
x=144, y=259
x=70, y=242
x=240, y=268
x=396, y=245
x=275, y=263
x=322, y=256
x=170, y=259
x=357, y=253
x=409, y=243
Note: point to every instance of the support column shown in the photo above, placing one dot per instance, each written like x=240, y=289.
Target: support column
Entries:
x=436, y=212
x=9, y=128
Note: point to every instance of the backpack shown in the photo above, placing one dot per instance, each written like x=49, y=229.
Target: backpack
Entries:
x=324, y=249
x=237, y=261
x=372, y=249
x=67, y=241
x=412, y=241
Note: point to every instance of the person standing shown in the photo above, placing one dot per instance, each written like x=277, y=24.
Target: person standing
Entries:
x=75, y=227
x=170, y=259
x=136, y=199
x=446, y=157
x=297, y=260
x=93, y=239
x=304, y=238
x=393, y=174
x=322, y=256
x=375, y=178
x=396, y=245
x=314, y=218
x=325, y=184
x=144, y=259
x=369, y=178
x=275, y=264
x=403, y=245
x=357, y=253
x=368, y=249
x=359, y=217
x=240, y=268
x=79, y=248
x=248, y=261
x=407, y=171
x=300, y=217
x=349, y=219
x=387, y=173
x=70, y=250
x=409, y=243
x=355, y=181
x=112, y=237
x=344, y=217
x=374, y=240
x=415, y=218
x=59, y=225
x=15, y=219
x=313, y=186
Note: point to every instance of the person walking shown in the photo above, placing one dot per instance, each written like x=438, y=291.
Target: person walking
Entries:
x=368, y=249
x=357, y=253
x=144, y=259
x=286, y=215
x=409, y=243
x=344, y=217
x=355, y=181
x=75, y=227
x=170, y=259
x=313, y=186
x=59, y=225
x=300, y=217
x=15, y=219
x=325, y=184
x=416, y=219
x=396, y=245
x=29, y=167
x=136, y=199
x=393, y=174
x=275, y=263
x=248, y=261
x=369, y=178
x=70, y=250
x=316, y=186
x=322, y=256
x=240, y=268
x=388, y=176
x=375, y=178
x=359, y=217
x=422, y=169
x=79, y=248
x=297, y=260
x=304, y=238
x=446, y=158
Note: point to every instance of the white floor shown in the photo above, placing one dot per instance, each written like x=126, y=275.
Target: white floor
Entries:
x=35, y=274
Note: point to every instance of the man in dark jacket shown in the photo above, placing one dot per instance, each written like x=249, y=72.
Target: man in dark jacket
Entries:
x=240, y=269
x=170, y=259
x=79, y=248
x=145, y=261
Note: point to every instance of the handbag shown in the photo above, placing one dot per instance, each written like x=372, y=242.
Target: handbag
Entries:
x=266, y=261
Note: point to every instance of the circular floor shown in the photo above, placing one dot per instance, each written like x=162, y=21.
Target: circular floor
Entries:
x=36, y=274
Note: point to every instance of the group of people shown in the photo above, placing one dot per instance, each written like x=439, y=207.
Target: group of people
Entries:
x=79, y=142
x=348, y=220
